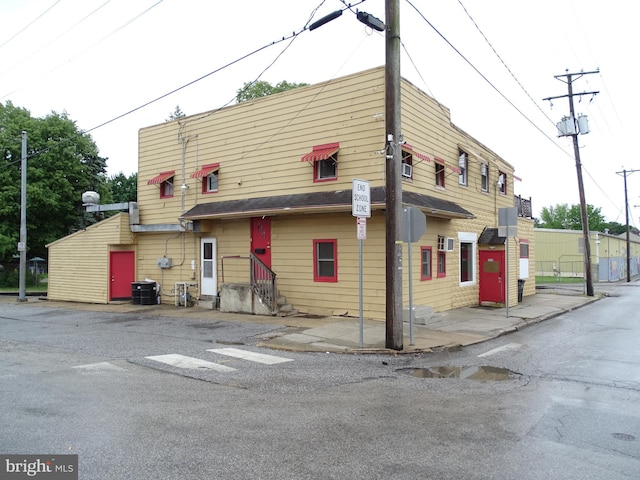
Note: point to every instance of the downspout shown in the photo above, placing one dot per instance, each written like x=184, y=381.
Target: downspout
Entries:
x=183, y=188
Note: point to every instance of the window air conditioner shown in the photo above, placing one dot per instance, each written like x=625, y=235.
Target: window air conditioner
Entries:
x=448, y=244
x=407, y=170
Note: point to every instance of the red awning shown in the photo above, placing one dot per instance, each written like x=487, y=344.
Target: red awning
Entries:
x=206, y=170
x=162, y=176
x=321, y=152
x=421, y=156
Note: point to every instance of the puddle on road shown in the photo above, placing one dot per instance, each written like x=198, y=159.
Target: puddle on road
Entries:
x=481, y=373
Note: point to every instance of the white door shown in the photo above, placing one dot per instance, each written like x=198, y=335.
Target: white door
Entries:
x=208, y=267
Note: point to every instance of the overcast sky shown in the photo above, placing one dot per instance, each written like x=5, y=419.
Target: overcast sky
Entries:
x=490, y=62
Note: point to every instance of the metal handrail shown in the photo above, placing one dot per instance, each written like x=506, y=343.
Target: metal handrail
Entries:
x=262, y=280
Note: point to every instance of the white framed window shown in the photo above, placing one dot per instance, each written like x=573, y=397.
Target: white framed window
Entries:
x=463, y=163
x=407, y=165
x=484, y=177
x=468, y=250
x=502, y=183
x=210, y=183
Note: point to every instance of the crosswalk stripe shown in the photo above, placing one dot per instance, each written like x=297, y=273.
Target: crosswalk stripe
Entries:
x=508, y=346
x=252, y=356
x=182, y=361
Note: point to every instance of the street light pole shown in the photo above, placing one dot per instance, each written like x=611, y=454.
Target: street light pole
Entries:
x=393, y=158
x=22, y=245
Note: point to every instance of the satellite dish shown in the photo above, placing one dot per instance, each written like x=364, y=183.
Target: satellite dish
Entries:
x=91, y=198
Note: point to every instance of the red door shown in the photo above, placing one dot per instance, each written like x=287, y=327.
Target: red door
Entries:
x=122, y=272
x=261, y=239
x=492, y=279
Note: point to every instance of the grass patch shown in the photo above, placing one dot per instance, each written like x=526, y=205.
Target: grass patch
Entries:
x=554, y=279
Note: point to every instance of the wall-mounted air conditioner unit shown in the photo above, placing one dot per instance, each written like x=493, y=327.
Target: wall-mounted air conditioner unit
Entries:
x=407, y=170
x=449, y=244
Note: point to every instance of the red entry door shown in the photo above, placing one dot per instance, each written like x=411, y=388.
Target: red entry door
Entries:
x=492, y=279
x=122, y=272
x=261, y=239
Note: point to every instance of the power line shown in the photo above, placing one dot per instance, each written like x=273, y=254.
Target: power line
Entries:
x=504, y=63
x=291, y=37
x=30, y=23
x=485, y=78
x=113, y=32
x=54, y=40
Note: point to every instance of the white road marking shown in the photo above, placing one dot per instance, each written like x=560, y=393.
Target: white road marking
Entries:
x=508, y=346
x=254, y=357
x=100, y=366
x=182, y=361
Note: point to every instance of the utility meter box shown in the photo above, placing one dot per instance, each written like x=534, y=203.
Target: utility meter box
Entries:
x=164, y=262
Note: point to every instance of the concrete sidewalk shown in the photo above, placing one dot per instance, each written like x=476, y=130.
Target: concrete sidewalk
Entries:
x=445, y=330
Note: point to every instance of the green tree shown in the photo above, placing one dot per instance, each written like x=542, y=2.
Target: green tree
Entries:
x=62, y=163
x=564, y=217
x=123, y=188
x=177, y=113
x=253, y=90
x=616, y=228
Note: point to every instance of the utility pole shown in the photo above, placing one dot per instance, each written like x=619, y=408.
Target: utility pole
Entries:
x=569, y=128
x=22, y=244
x=393, y=158
x=626, y=210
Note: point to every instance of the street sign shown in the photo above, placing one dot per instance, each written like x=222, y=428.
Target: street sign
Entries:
x=362, y=228
x=413, y=224
x=507, y=222
x=22, y=246
x=361, y=198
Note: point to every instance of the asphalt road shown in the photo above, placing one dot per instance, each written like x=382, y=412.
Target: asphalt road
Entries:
x=557, y=400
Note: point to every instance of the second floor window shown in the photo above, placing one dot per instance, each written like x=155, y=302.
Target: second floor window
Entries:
x=439, y=174
x=166, y=188
x=209, y=176
x=484, y=177
x=210, y=183
x=502, y=183
x=326, y=169
x=407, y=165
x=324, y=159
x=463, y=163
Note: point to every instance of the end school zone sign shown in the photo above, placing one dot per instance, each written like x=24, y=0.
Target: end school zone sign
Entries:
x=361, y=198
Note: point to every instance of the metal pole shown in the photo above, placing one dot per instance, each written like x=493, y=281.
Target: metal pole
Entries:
x=506, y=249
x=393, y=183
x=22, y=294
x=360, y=293
x=411, y=312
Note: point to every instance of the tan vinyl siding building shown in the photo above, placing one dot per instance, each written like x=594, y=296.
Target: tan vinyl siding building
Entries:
x=272, y=178
x=79, y=263
x=560, y=254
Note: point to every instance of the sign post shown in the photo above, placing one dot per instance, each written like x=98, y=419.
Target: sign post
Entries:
x=361, y=209
x=415, y=225
x=507, y=227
